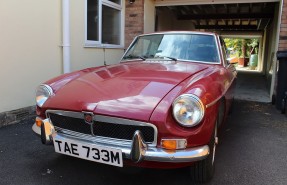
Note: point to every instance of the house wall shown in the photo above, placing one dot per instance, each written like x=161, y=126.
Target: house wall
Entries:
x=279, y=82
x=149, y=16
x=283, y=28
x=269, y=67
x=82, y=56
x=30, y=52
x=272, y=29
x=134, y=20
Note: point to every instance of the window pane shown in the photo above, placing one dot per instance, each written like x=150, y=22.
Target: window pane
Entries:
x=93, y=20
x=111, y=26
x=116, y=1
x=181, y=46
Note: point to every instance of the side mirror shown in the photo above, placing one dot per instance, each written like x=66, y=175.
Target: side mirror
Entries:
x=228, y=60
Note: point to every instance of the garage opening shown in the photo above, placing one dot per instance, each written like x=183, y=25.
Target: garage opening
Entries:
x=248, y=21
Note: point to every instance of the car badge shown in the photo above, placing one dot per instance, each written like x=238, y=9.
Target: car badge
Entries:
x=88, y=117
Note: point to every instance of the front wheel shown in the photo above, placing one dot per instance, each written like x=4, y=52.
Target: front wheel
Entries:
x=202, y=171
x=283, y=105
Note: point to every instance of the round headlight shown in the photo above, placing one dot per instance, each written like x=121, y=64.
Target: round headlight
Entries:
x=43, y=92
x=188, y=110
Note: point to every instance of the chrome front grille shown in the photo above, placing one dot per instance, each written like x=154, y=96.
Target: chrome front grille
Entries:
x=120, y=131
x=70, y=123
x=103, y=127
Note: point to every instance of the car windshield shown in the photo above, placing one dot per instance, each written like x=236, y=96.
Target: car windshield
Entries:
x=191, y=47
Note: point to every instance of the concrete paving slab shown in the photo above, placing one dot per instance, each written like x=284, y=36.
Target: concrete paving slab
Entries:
x=252, y=86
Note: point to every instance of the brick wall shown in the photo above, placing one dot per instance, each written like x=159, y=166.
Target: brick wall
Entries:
x=283, y=29
x=134, y=20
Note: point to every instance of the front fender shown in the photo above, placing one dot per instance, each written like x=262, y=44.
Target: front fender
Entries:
x=210, y=86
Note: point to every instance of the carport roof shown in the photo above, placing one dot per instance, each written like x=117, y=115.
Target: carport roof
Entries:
x=240, y=16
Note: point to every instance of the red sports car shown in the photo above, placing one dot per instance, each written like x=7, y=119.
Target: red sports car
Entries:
x=160, y=107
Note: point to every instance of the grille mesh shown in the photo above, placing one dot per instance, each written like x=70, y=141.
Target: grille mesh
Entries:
x=103, y=129
x=120, y=131
x=69, y=123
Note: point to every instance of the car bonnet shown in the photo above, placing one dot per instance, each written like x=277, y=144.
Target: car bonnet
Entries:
x=130, y=90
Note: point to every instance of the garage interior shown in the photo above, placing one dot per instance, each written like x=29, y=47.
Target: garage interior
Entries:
x=235, y=20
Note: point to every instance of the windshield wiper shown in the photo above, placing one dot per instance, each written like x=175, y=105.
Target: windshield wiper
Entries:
x=174, y=59
x=134, y=57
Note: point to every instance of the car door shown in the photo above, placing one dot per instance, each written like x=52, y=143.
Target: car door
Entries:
x=230, y=73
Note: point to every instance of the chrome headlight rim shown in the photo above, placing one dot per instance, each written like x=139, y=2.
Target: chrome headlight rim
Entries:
x=197, y=101
x=47, y=89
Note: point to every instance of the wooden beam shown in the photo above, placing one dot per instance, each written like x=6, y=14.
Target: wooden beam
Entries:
x=187, y=8
x=214, y=8
x=184, y=10
x=174, y=10
x=263, y=23
x=204, y=2
x=226, y=27
x=227, y=16
x=259, y=24
x=193, y=10
x=226, y=8
x=250, y=8
x=238, y=8
x=199, y=9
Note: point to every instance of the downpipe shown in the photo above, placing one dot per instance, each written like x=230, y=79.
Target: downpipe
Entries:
x=66, y=35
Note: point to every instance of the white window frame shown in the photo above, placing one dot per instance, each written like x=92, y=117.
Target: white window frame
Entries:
x=99, y=44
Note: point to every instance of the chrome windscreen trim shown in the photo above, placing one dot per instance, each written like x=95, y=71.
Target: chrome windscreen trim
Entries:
x=178, y=32
x=106, y=119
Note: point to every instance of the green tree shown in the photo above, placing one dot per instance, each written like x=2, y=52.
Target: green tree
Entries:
x=243, y=47
x=253, y=46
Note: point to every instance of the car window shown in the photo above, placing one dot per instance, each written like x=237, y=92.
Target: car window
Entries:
x=194, y=47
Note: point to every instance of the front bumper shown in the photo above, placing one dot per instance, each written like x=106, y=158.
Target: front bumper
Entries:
x=136, y=152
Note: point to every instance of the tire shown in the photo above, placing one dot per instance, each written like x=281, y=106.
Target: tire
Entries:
x=221, y=112
x=202, y=171
x=273, y=101
x=231, y=109
x=283, y=106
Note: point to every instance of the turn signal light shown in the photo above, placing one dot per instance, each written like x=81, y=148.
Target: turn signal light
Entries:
x=173, y=144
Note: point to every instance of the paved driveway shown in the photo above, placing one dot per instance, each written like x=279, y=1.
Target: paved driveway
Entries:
x=252, y=150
